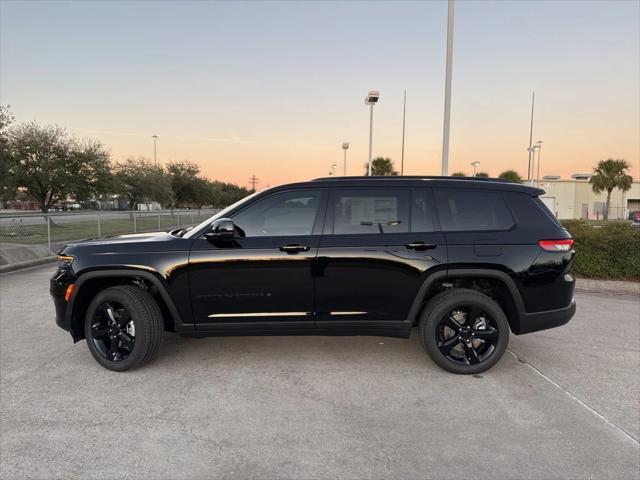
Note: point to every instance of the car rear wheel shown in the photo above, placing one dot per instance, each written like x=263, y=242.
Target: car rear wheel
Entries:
x=464, y=331
x=123, y=327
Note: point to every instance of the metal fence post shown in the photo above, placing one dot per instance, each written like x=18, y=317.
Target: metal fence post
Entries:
x=178, y=219
x=99, y=227
x=159, y=227
x=193, y=222
x=135, y=224
x=49, y=233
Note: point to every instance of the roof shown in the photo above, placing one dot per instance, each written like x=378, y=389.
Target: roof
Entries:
x=418, y=181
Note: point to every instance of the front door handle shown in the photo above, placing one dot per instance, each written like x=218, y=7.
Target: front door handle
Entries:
x=294, y=248
x=421, y=246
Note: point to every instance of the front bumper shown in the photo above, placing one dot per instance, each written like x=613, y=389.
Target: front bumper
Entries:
x=57, y=288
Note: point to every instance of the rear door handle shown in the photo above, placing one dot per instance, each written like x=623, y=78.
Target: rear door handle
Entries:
x=421, y=246
x=294, y=248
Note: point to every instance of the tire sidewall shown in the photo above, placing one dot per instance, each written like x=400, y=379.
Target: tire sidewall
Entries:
x=449, y=301
x=142, y=334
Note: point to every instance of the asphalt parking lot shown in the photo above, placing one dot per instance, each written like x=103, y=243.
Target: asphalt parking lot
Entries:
x=563, y=403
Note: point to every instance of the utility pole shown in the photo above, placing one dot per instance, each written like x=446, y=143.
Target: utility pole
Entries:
x=447, y=91
x=253, y=181
x=404, y=116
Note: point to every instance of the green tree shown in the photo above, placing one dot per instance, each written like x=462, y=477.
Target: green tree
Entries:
x=511, y=175
x=139, y=181
x=7, y=171
x=188, y=188
x=458, y=174
x=380, y=166
x=608, y=175
x=53, y=165
x=482, y=175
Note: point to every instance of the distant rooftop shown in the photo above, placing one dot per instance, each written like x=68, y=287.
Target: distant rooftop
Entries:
x=581, y=176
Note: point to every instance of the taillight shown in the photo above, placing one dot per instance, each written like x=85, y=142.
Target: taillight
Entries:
x=556, y=245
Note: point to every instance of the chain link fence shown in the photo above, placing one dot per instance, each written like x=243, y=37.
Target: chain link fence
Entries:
x=40, y=234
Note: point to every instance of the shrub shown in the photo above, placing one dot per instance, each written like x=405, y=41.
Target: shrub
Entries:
x=610, y=251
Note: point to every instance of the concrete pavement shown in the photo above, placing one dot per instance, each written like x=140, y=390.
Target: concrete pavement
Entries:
x=563, y=404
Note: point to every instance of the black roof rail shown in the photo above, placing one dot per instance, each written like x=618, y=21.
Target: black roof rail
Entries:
x=414, y=177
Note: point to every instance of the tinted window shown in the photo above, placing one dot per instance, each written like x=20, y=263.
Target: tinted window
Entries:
x=468, y=210
x=421, y=212
x=370, y=211
x=282, y=214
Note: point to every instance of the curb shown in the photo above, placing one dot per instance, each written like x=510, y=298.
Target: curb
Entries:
x=614, y=287
x=26, y=264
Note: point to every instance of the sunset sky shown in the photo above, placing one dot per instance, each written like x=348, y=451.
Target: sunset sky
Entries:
x=274, y=88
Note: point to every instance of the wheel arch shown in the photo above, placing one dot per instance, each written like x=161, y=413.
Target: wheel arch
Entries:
x=89, y=283
x=494, y=283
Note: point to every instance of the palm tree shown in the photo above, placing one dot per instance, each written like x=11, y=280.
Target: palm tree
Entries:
x=511, y=175
x=610, y=174
x=381, y=166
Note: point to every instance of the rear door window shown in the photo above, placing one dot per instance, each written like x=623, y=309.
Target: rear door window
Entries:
x=370, y=211
x=472, y=210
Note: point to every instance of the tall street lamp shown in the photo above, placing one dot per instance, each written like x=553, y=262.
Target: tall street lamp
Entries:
x=447, y=90
x=475, y=167
x=539, y=145
x=371, y=99
x=345, y=147
x=155, y=160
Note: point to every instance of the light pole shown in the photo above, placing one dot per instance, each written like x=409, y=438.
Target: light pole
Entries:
x=530, y=150
x=404, y=117
x=539, y=144
x=371, y=99
x=345, y=147
x=155, y=160
x=475, y=167
x=447, y=91
x=333, y=170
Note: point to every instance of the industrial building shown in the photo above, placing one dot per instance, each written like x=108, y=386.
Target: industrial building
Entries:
x=574, y=198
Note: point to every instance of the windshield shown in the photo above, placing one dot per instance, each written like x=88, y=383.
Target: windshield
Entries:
x=221, y=214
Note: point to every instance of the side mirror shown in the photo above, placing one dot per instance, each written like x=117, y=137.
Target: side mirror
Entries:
x=221, y=229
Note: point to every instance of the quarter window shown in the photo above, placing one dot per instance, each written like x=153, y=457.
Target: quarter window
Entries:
x=467, y=210
x=282, y=214
x=370, y=211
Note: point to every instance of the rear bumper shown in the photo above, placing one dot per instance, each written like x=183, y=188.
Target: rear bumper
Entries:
x=534, y=322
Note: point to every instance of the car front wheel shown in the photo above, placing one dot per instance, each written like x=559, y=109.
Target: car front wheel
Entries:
x=123, y=327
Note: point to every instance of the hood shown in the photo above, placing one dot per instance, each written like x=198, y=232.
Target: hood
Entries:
x=135, y=242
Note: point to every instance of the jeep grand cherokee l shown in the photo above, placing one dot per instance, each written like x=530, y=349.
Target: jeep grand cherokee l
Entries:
x=467, y=261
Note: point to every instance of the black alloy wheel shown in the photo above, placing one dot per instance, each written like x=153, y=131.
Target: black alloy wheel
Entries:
x=123, y=327
x=467, y=335
x=113, y=331
x=464, y=331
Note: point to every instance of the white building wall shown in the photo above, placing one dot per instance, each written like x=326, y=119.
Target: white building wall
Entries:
x=575, y=199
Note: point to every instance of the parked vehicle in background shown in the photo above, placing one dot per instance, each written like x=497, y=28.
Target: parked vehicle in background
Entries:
x=465, y=260
x=635, y=216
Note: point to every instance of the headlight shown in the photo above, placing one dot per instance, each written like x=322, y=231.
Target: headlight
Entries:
x=65, y=261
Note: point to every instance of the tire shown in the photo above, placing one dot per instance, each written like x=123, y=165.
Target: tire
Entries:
x=137, y=327
x=476, y=311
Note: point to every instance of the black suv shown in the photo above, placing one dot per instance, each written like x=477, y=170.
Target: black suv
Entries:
x=466, y=260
